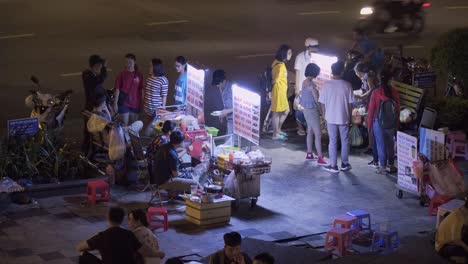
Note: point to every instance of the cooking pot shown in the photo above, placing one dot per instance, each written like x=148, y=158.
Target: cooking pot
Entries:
x=213, y=188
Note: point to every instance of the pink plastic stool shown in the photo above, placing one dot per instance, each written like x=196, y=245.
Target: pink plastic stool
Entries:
x=341, y=240
x=98, y=191
x=157, y=218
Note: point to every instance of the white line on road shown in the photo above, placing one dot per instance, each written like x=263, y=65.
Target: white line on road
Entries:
x=255, y=55
x=456, y=7
x=17, y=36
x=318, y=13
x=166, y=22
x=71, y=74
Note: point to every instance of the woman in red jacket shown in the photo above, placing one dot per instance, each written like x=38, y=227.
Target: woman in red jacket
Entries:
x=384, y=136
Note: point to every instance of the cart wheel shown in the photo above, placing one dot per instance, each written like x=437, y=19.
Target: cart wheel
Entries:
x=253, y=201
x=235, y=204
x=399, y=194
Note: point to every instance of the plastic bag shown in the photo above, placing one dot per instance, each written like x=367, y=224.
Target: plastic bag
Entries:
x=117, y=146
x=231, y=186
x=406, y=116
x=355, y=136
x=96, y=123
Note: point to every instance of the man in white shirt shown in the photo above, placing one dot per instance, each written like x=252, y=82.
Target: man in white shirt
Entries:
x=337, y=97
x=302, y=60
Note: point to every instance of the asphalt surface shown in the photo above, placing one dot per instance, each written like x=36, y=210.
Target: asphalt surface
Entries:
x=53, y=38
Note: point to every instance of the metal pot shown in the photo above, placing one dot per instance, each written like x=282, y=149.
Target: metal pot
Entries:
x=213, y=188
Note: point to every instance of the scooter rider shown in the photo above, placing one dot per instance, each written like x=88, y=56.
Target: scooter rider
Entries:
x=373, y=54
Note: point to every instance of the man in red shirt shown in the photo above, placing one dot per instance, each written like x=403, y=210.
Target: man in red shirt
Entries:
x=128, y=91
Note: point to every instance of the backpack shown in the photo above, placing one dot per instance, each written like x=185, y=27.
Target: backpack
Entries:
x=388, y=114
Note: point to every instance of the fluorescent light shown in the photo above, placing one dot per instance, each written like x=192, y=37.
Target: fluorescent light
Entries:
x=365, y=11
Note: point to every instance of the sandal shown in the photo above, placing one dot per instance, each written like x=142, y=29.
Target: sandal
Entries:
x=280, y=138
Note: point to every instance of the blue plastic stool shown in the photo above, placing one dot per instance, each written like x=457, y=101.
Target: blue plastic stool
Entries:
x=389, y=241
x=361, y=215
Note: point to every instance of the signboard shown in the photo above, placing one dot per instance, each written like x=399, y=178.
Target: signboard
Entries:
x=246, y=108
x=432, y=144
x=407, y=152
x=425, y=80
x=23, y=127
x=195, y=90
x=324, y=62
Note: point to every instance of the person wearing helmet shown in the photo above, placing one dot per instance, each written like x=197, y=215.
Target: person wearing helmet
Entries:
x=302, y=60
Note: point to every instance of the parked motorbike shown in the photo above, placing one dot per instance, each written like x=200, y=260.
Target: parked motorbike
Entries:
x=393, y=16
x=403, y=68
x=49, y=109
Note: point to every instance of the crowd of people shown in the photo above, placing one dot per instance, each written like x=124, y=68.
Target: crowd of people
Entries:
x=334, y=101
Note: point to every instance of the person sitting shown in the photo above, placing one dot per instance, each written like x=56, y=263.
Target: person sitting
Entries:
x=452, y=235
x=138, y=223
x=264, y=258
x=167, y=165
x=231, y=253
x=115, y=244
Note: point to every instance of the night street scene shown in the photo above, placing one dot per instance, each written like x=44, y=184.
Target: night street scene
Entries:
x=233, y=132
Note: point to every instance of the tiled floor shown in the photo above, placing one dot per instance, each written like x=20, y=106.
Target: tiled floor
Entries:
x=297, y=199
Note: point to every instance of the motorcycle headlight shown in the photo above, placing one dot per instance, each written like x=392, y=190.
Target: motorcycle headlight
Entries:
x=365, y=11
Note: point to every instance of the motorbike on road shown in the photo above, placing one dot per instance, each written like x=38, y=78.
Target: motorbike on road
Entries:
x=393, y=16
x=49, y=109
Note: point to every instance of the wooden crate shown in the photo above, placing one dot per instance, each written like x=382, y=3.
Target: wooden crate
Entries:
x=218, y=212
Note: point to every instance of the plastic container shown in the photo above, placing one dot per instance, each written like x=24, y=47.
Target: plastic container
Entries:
x=212, y=131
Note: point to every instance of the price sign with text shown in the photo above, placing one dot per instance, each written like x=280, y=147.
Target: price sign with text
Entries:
x=246, y=107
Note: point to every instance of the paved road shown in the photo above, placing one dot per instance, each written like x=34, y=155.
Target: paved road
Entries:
x=53, y=38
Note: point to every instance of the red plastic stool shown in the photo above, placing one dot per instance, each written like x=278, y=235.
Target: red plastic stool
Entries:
x=341, y=239
x=157, y=218
x=437, y=201
x=98, y=191
x=347, y=221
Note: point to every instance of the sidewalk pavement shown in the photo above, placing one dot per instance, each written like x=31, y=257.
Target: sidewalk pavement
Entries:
x=297, y=198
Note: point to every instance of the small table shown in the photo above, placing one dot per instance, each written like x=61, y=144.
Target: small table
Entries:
x=448, y=207
x=217, y=212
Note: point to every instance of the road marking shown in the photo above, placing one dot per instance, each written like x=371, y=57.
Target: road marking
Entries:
x=318, y=13
x=456, y=7
x=255, y=55
x=71, y=74
x=166, y=23
x=17, y=36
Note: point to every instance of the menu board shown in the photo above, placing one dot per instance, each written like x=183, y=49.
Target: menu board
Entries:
x=246, y=108
x=324, y=62
x=407, y=152
x=23, y=127
x=195, y=90
x=432, y=144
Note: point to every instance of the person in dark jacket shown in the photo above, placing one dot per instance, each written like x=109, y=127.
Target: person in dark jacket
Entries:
x=231, y=253
x=93, y=79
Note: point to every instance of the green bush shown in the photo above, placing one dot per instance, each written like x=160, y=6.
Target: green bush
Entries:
x=452, y=112
x=450, y=54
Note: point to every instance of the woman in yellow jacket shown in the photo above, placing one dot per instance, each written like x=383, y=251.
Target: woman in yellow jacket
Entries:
x=279, y=93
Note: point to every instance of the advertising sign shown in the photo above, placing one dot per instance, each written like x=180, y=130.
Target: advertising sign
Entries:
x=23, y=127
x=195, y=90
x=246, y=108
x=407, y=153
x=324, y=62
x=425, y=80
x=432, y=144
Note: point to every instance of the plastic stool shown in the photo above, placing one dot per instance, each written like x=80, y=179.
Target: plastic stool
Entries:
x=341, y=239
x=388, y=240
x=157, y=218
x=361, y=215
x=347, y=221
x=435, y=202
x=98, y=191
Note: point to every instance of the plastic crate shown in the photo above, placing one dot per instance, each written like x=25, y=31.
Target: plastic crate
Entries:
x=212, y=131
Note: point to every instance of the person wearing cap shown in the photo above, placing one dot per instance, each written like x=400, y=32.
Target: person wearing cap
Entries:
x=93, y=83
x=303, y=59
x=225, y=89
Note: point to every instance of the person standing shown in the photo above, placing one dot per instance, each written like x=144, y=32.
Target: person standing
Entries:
x=383, y=114
x=309, y=100
x=93, y=80
x=279, y=93
x=225, y=89
x=372, y=84
x=373, y=54
x=180, y=92
x=337, y=97
x=128, y=91
x=155, y=95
